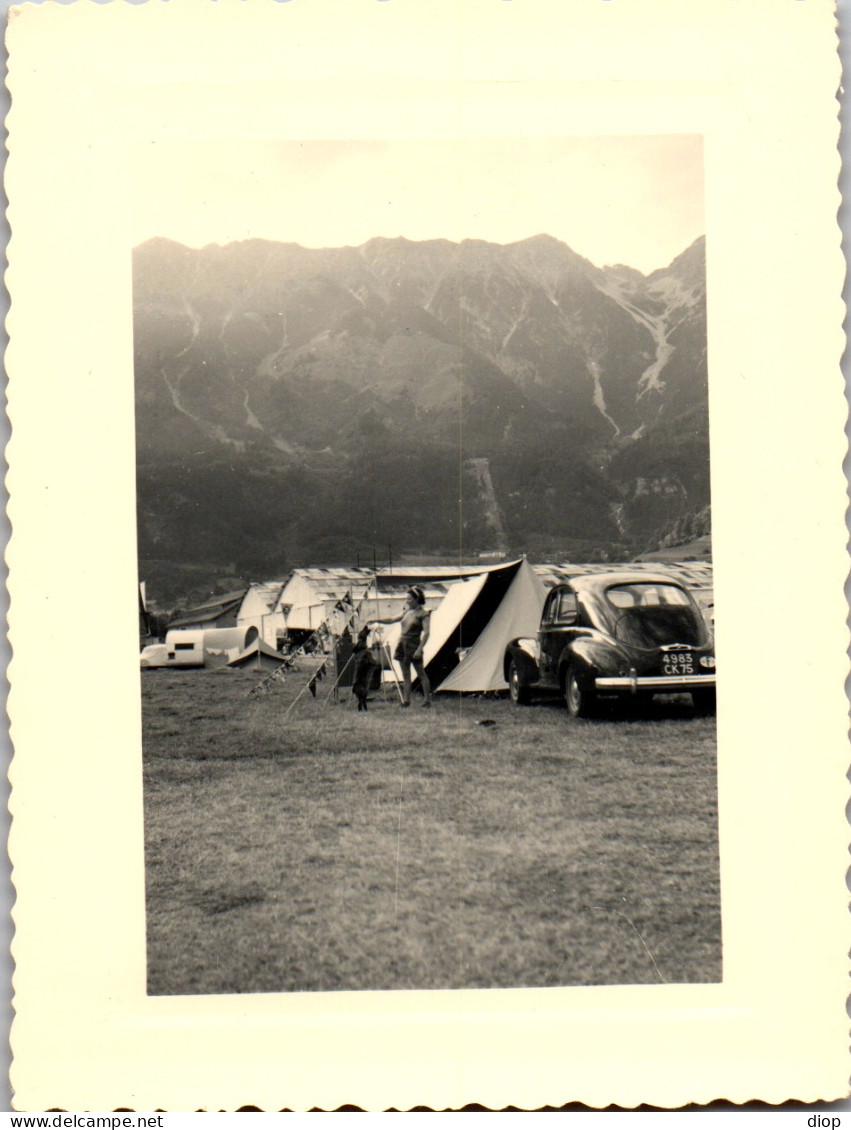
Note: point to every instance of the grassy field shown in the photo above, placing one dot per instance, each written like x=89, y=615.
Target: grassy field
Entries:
x=402, y=849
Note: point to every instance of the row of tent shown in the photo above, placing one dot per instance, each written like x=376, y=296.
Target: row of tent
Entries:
x=475, y=612
x=309, y=597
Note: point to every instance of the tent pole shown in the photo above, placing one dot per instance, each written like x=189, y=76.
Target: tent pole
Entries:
x=304, y=688
x=386, y=655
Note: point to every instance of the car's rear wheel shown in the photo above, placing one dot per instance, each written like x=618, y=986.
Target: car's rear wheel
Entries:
x=579, y=699
x=703, y=699
x=518, y=692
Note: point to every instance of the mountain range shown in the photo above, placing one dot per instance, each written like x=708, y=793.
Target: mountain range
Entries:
x=298, y=406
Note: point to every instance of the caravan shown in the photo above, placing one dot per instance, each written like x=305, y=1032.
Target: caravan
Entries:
x=198, y=648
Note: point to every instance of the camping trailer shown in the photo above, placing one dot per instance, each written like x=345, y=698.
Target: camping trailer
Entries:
x=196, y=648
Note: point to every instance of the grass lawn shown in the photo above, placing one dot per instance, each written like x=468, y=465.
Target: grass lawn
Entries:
x=403, y=849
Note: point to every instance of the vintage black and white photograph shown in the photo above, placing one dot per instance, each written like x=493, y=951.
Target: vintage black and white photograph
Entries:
x=425, y=564
x=428, y=553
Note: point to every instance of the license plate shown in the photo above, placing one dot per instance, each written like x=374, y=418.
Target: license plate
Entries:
x=678, y=663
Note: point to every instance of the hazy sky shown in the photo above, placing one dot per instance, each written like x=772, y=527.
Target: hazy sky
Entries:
x=633, y=200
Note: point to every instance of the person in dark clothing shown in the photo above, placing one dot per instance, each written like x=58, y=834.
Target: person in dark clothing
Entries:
x=364, y=664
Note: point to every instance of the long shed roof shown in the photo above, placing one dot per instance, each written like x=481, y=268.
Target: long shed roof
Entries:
x=315, y=586
x=210, y=610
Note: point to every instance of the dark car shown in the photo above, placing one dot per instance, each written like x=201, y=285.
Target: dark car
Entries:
x=620, y=633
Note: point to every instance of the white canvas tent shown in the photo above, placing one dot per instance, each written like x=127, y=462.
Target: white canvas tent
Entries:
x=445, y=618
x=472, y=626
x=257, y=656
x=516, y=613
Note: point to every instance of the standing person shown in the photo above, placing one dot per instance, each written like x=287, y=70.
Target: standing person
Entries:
x=364, y=664
x=414, y=623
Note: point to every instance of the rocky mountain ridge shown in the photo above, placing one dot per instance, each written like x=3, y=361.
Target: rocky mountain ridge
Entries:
x=347, y=397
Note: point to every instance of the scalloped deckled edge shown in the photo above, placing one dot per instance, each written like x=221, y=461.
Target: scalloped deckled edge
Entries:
x=24, y=1039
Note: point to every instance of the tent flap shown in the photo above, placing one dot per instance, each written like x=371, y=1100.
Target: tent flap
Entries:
x=514, y=612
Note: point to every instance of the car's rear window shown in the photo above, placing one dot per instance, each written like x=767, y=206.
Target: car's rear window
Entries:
x=651, y=615
x=645, y=595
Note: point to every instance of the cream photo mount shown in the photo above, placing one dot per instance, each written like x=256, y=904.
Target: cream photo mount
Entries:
x=758, y=81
